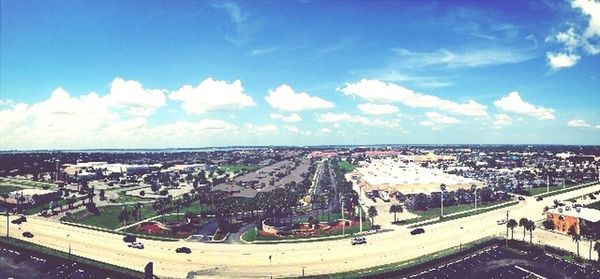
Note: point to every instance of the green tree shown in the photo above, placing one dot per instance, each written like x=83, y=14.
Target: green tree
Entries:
x=523, y=222
x=531, y=228
x=396, y=208
x=512, y=224
x=575, y=236
x=124, y=216
x=372, y=214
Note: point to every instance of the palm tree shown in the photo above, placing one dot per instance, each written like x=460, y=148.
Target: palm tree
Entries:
x=512, y=224
x=396, y=208
x=575, y=236
x=474, y=189
x=591, y=233
x=523, y=222
x=531, y=228
x=124, y=216
x=372, y=213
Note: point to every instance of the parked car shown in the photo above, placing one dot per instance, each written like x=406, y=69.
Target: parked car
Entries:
x=417, y=231
x=129, y=238
x=183, y=250
x=358, y=240
x=501, y=222
x=521, y=198
x=137, y=245
x=19, y=220
x=539, y=198
x=27, y=234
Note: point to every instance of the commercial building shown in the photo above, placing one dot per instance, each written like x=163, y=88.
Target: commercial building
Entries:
x=564, y=218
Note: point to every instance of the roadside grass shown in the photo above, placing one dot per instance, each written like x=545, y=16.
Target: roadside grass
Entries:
x=346, y=167
x=9, y=188
x=125, y=272
x=567, y=189
x=108, y=217
x=25, y=182
x=434, y=213
x=239, y=168
x=541, y=190
x=123, y=198
x=595, y=205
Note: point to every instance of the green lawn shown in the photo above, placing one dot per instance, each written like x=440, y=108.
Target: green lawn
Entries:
x=540, y=190
x=568, y=189
x=9, y=188
x=25, y=182
x=434, y=213
x=346, y=167
x=108, y=217
x=595, y=205
x=126, y=198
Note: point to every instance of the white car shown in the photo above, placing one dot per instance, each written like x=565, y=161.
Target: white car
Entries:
x=501, y=222
x=137, y=245
x=359, y=240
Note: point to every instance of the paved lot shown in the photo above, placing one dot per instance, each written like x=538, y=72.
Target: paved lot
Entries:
x=499, y=263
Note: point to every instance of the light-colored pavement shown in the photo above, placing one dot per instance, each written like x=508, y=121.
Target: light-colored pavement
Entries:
x=288, y=259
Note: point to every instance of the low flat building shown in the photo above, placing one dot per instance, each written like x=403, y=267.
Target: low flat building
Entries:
x=32, y=196
x=564, y=219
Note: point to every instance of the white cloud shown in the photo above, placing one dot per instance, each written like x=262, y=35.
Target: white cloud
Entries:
x=294, y=129
x=436, y=120
x=561, y=60
x=572, y=40
x=379, y=91
x=260, y=130
x=597, y=126
x=345, y=117
x=293, y=117
x=131, y=94
x=284, y=98
x=453, y=59
x=591, y=9
x=578, y=123
x=325, y=130
x=375, y=109
x=502, y=120
x=212, y=95
x=515, y=104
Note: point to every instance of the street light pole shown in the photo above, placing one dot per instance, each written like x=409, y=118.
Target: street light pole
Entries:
x=343, y=221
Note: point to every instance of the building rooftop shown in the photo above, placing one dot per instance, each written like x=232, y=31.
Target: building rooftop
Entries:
x=588, y=214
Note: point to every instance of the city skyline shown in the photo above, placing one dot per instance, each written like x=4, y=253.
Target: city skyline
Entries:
x=84, y=74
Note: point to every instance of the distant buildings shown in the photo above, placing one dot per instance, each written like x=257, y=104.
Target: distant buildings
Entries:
x=32, y=197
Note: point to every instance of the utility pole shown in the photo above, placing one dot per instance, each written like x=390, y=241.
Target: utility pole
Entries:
x=360, y=216
x=547, y=184
x=507, y=228
x=6, y=220
x=343, y=220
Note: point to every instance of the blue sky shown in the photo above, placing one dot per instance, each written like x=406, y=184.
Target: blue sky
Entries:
x=128, y=74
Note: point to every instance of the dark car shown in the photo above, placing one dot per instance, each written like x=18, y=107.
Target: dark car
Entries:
x=183, y=250
x=27, y=234
x=417, y=231
x=521, y=198
x=129, y=238
x=539, y=198
x=19, y=220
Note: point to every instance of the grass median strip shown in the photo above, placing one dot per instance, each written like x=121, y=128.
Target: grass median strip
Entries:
x=466, y=214
x=568, y=189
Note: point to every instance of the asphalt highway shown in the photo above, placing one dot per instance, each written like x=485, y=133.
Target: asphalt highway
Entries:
x=279, y=260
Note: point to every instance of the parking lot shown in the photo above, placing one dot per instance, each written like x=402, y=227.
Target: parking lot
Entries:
x=497, y=262
x=14, y=264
